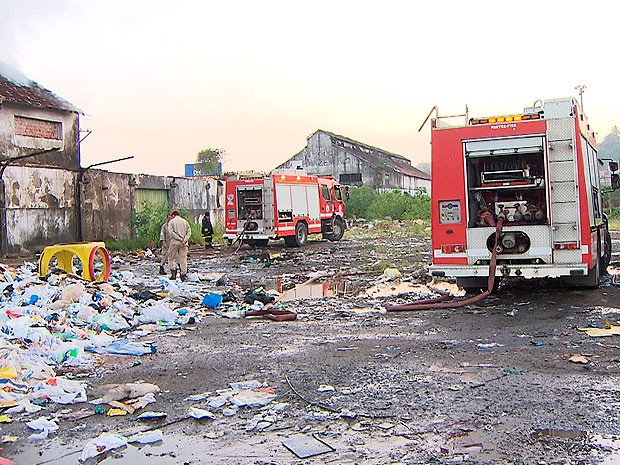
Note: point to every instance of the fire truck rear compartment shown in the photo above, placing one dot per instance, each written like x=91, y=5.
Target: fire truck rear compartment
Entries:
x=506, y=179
x=249, y=208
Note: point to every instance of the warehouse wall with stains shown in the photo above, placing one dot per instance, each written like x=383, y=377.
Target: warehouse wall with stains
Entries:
x=40, y=208
x=44, y=206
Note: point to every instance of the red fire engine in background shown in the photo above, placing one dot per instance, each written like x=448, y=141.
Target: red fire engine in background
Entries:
x=539, y=172
x=287, y=204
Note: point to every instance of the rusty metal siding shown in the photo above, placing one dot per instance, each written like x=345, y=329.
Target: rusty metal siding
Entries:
x=154, y=197
x=109, y=200
x=191, y=195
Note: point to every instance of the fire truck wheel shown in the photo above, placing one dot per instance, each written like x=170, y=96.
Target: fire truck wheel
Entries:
x=300, y=238
x=338, y=229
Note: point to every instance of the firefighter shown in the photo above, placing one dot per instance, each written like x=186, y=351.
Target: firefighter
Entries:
x=178, y=233
x=207, y=231
x=163, y=237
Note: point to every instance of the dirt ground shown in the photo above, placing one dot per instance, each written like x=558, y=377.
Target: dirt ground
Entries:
x=492, y=383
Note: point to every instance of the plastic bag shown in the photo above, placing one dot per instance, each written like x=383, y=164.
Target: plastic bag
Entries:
x=103, y=443
x=212, y=300
x=155, y=313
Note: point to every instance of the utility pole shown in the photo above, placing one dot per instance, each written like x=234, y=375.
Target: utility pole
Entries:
x=581, y=89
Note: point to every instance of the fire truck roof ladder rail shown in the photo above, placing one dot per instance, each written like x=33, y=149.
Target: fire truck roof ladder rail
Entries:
x=437, y=117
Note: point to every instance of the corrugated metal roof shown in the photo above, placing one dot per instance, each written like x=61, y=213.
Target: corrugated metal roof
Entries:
x=32, y=94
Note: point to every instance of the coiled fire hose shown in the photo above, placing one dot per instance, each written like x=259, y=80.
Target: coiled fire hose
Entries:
x=439, y=302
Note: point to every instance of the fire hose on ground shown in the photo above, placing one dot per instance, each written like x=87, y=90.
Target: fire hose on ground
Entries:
x=441, y=301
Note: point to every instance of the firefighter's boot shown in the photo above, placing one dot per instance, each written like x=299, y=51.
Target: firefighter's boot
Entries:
x=183, y=277
x=161, y=269
x=173, y=275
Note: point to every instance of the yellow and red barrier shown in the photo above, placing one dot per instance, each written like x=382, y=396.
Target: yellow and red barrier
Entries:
x=86, y=252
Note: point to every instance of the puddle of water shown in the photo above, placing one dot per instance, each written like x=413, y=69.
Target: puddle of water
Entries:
x=173, y=449
x=559, y=433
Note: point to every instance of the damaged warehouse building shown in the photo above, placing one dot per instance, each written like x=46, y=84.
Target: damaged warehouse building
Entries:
x=357, y=164
x=46, y=197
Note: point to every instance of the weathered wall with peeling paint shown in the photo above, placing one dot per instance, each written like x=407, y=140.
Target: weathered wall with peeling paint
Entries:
x=106, y=205
x=40, y=208
x=108, y=200
x=41, y=204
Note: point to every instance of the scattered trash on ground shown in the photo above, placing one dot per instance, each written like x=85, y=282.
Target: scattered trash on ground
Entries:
x=579, y=359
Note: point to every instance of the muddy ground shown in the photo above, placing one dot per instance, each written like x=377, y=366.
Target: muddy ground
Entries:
x=491, y=383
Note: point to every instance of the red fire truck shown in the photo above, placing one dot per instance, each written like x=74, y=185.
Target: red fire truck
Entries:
x=287, y=204
x=538, y=171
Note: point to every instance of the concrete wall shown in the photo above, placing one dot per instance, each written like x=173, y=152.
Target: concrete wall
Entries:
x=41, y=204
x=108, y=200
x=12, y=145
x=40, y=208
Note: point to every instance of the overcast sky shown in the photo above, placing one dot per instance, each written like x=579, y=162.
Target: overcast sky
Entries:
x=161, y=80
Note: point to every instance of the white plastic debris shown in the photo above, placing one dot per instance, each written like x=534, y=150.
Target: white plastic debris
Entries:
x=200, y=414
x=158, y=312
x=152, y=415
x=44, y=426
x=105, y=442
x=147, y=437
x=129, y=391
x=392, y=274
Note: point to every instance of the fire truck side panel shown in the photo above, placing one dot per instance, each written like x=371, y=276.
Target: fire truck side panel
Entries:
x=448, y=212
x=296, y=202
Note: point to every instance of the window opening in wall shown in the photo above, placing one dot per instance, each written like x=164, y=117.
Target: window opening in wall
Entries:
x=39, y=128
x=351, y=178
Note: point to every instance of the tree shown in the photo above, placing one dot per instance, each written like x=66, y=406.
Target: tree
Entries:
x=208, y=162
x=610, y=147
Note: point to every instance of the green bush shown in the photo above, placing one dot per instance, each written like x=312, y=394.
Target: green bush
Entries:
x=360, y=199
x=147, y=225
x=147, y=222
x=611, y=203
x=366, y=203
